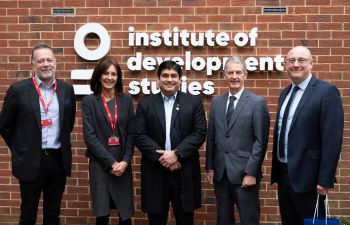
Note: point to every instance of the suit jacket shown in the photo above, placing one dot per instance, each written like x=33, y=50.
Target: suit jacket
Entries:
x=315, y=137
x=97, y=129
x=20, y=126
x=239, y=147
x=150, y=129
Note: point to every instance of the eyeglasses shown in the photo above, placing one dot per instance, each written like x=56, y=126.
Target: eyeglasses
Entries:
x=299, y=60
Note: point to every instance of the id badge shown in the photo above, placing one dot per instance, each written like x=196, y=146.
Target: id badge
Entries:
x=113, y=141
x=46, y=123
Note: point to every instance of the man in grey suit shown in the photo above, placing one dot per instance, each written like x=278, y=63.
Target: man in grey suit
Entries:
x=238, y=133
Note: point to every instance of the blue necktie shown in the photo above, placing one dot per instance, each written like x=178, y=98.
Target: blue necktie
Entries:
x=230, y=109
x=284, y=123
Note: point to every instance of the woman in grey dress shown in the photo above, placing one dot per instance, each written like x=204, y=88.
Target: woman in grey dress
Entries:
x=107, y=115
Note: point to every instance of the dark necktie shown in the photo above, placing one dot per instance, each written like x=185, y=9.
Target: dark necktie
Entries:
x=284, y=123
x=230, y=109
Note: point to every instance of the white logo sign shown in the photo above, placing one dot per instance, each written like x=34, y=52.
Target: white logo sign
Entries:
x=170, y=38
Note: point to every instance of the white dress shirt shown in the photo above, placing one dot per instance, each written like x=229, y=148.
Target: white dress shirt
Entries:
x=50, y=134
x=302, y=86
x=237, y=95
x=168, y=107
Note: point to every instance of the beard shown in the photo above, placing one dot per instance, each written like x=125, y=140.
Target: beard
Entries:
x=46, y=75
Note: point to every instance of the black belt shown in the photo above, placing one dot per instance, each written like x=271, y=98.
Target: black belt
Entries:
x=51, y=151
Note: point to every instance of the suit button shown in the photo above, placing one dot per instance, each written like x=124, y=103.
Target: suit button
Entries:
x=226, y=152
x=227, y=135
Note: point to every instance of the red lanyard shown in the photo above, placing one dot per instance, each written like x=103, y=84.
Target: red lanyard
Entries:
x=113, y=125
x=46, y=107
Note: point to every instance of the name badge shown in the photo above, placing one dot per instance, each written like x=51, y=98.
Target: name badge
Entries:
x=113, y=141
x=46, y=123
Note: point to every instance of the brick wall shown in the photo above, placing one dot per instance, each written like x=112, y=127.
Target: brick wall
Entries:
x=322, y=25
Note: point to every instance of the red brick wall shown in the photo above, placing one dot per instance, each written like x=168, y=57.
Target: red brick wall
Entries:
x=322, y=25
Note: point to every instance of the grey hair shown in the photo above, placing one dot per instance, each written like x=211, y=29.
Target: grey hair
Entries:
x=238, y=60
x=40, y=46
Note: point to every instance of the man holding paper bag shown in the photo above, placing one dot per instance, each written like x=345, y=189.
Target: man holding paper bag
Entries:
x=308, y=137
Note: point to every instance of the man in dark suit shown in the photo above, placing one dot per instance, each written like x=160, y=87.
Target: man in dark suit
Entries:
x=36, y=121
x=307, y=139
x=171, y=127
x=238, y=134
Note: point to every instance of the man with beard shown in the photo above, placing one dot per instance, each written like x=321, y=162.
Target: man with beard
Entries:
x=36, y=121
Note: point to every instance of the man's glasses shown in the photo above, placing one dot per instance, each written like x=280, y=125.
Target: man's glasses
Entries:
x=301, y=61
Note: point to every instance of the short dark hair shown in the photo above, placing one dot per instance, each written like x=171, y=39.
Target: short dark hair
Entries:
x=41, y=46
x=95, y=83
x=169, y=65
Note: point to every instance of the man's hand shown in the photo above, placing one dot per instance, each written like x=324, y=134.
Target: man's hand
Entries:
x=248, y=181
x=209, y=175
x=119, y=169
x=175, y=166
x=168, y=158
x=321, y=190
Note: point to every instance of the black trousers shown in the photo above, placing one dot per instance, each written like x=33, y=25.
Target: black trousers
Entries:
x=294, y=207
x=51, y=181
x=171, y=194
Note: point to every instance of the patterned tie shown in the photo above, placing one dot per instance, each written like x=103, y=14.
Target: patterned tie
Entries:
x=230, y=109
x=284, y=123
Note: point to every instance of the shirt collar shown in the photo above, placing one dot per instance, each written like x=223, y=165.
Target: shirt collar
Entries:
x=303, y=84
x=39, y=82
x=168, y=98
x=237, y=95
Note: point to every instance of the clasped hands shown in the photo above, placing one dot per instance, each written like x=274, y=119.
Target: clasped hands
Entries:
x=168, y=159
x=119, y=168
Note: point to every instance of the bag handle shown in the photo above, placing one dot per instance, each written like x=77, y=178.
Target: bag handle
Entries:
x=326, y=208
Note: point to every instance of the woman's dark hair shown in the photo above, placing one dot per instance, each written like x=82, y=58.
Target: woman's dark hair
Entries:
x=169, y=65
x=95, y=83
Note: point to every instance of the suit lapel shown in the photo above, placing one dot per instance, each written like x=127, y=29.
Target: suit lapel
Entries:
x=158, y=105
x=60, y=97
x=122, y=108
x=175, y=111
x=310, y=87
x=281, y=99
x=34, y=99
x=221, y=110
x=102, y=108
x=240, y=105
x=283, y=96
